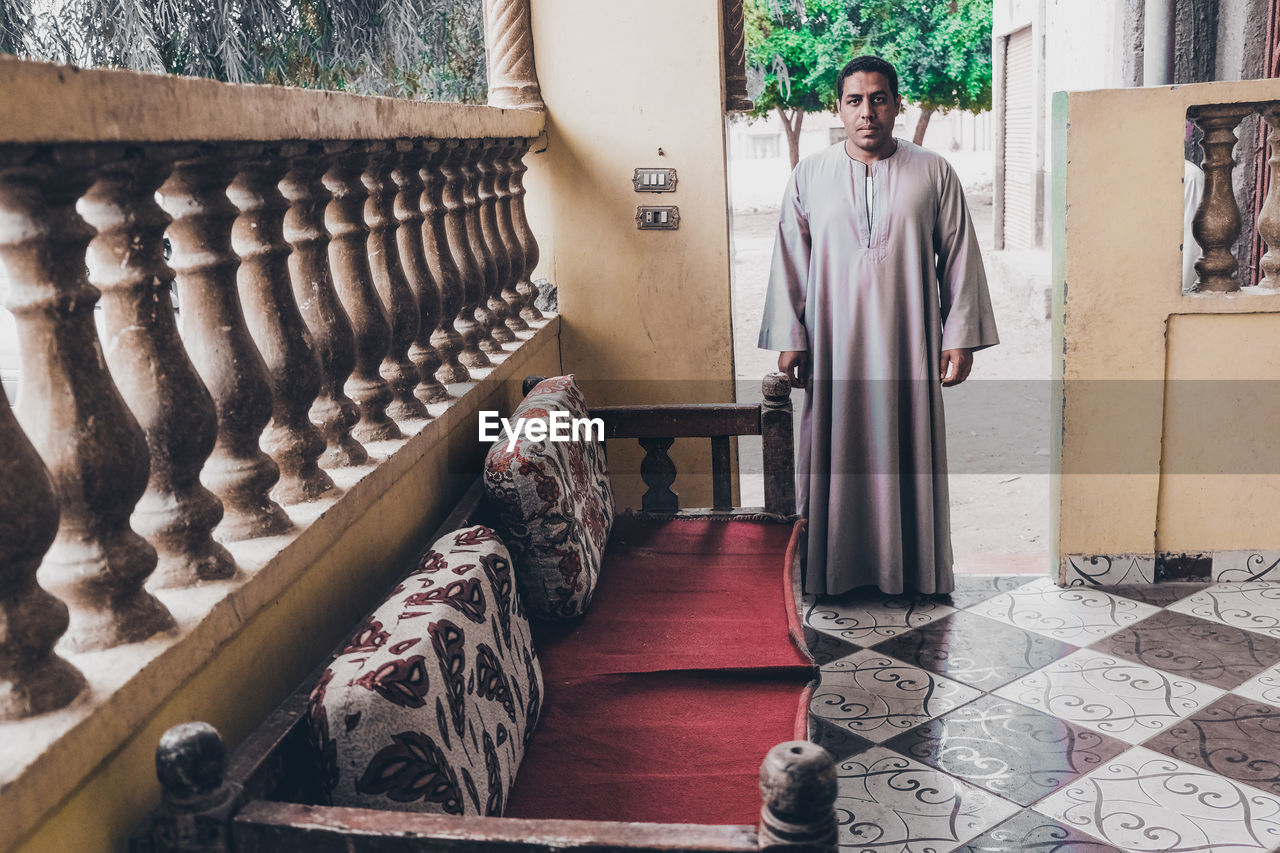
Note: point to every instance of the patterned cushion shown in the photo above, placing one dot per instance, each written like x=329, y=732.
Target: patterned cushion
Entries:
x=554, y=503
x=430, y=706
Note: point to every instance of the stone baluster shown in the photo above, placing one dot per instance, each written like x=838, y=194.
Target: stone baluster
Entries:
x=390, y=282
x=435, y=245
x=528, y=245
x=33, y=679
x=317, y=299
x=349, y=261
x=471, y=151
x=1269, y=219
x=1217, y=222
x=798, y=786
x=94, y=449
x=277, y=327
x=491, y=237
x=513, y=77
x=510, y=240
x=470, y=278
x=176, y=514
x=409, y=216
x=218, y=340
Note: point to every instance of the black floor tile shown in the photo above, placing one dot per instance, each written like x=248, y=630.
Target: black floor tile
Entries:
x=1016, y=752
x=836, y=739
x=975, y=650
x=1033, y=832
x=1236, y=737
x=1194, y=648
x=825, y=647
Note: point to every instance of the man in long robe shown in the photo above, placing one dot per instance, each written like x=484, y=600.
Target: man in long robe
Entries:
x=877, y=297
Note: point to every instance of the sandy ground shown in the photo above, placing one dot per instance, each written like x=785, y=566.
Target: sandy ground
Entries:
x=997, y=422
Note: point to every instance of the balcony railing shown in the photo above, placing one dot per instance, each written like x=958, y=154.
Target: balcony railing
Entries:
x=1217, y=221
x=346, y=270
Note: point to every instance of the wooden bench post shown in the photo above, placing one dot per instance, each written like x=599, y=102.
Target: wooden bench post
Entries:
x=777, y=438
x=197, y=803
x=798, y=784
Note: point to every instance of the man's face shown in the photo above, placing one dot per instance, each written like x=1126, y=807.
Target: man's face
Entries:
x=868, y=109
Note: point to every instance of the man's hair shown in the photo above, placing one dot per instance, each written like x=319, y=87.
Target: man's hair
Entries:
x=868, y=64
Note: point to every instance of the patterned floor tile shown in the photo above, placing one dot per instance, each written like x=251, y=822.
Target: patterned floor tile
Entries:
x=1251, y=606
x=868, y=619
x=878, y=697
x=1159, y=594
x=835, y=738
x=889, y=802
x=825, y=648
x=974, y=589
x=1265, y=686
x=1237, y=737
x=1110, y=695
x=1030, y=830
x=1181, y=644
x=1144, y=801
x=973, y=649
x=1246, y=566
x=1009, y=749
x=1075, y=615
x=1091, y=570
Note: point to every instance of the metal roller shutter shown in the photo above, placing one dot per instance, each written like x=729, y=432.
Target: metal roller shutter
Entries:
x=1019, y=136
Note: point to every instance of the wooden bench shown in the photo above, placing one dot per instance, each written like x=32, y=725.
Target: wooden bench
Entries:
x=264, y=797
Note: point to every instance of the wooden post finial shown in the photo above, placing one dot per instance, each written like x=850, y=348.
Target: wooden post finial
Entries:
x=798, y=784
x=777, y=431
x=198, y=803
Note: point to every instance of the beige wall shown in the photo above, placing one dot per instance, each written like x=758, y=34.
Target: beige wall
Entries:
x=1155, y=459
x=646, y=313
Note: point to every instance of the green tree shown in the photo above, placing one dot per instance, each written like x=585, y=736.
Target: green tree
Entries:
x=799, y=46
x=941, y=49
x=409, y=48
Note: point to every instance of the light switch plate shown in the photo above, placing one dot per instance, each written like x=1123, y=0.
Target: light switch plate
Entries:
x=664, y=217
x=654, y=180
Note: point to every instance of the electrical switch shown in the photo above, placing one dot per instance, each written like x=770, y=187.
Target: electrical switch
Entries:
x=658, y=217
x=654, y=180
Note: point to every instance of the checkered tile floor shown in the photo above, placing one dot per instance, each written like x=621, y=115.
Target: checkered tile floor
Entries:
x=1023, y=716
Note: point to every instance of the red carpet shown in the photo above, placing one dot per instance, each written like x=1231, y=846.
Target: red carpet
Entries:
x=671, y=747
x=680, y=595
x=662, y=701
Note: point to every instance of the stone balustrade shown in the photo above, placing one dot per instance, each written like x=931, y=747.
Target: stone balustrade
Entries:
x=1217, y=222
x=331, y=270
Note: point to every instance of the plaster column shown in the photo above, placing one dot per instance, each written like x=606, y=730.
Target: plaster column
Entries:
x=349, y=263
x=219, y=343
x=94, y=449
x=333, y=411
x=282, y=337
x=176, y=514
x=389, y=281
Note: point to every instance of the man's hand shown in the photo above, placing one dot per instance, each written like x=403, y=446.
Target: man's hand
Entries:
x=956, y=364
x=795, y=363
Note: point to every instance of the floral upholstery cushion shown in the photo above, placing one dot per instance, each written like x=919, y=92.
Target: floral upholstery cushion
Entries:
x=431, y=704
x=554, y=503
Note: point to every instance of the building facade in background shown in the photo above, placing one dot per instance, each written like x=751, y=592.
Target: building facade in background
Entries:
x=1044, y=46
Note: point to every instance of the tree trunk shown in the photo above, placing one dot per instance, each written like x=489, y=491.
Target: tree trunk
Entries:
x=922, y=124
x=791, y=126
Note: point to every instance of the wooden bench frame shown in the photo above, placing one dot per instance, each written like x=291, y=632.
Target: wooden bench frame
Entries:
x=212, y=804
